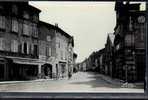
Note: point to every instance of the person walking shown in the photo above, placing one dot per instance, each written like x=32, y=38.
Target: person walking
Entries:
x=69, y=75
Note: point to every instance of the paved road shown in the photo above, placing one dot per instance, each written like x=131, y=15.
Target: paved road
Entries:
x=80, y=82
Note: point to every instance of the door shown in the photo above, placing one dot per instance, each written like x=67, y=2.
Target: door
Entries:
x=2, y=71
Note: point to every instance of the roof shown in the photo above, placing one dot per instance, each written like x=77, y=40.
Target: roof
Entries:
x=34, y=8
x=56, y=28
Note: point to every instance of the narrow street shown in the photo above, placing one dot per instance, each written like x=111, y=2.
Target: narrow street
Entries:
x=80, y=82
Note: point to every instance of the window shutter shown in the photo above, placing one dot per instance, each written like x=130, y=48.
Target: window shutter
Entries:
x=14, y=25
x=2, y=22
x=26, y=29
x=1, y=44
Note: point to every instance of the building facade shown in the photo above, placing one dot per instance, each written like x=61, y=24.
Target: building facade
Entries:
x=129, y=42
x=109, y=55
x=18, y=40
x=55, y=51
x=47, y=49
x=30, y=48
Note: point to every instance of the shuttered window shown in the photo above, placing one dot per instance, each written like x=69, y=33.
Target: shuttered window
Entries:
x=2, y=44
x=14, y=25
x=2, y=22
x=26, y=29
x=14, y=45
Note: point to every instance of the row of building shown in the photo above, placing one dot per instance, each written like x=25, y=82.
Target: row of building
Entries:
x=123, y=56
x=30, y=48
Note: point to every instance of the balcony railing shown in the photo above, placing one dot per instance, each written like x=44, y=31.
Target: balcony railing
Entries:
x=17, y=54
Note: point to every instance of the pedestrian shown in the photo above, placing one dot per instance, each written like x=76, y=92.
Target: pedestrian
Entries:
x=69, y=75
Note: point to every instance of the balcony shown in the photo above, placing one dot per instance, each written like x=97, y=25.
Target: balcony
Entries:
x=16, y=54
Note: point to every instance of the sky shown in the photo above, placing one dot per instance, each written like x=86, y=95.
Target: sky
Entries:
x=88, y=22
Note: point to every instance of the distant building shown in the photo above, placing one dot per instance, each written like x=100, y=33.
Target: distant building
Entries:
x=109, y=55
x=129, y=41
x=18, y=41
x=100, y=60
x=64, y=52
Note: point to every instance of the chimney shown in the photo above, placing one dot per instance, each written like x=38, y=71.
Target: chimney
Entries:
x=56, y=24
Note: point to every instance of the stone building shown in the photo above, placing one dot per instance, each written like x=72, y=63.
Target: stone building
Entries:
x=30, y=48
x=47, y=49
x=109, y=55
x=55, y=51
x=18, y=40
x=129, y=41
x=64, y=52
x=100, y=61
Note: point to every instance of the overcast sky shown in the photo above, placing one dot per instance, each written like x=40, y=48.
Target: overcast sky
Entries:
x=88, y=22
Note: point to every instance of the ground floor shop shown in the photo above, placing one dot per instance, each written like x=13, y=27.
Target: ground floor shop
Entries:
x=17, y=69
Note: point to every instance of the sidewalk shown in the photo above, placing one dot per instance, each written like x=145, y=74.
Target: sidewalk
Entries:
x=121, y=83
x=27, y=81
x=112, y=80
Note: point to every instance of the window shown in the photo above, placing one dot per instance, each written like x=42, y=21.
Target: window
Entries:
x=14, y=9
x=26, y=15
x=129, y=40
x=35, y=17
x=117, y=47
x=25, y=48
x=48, y=38
x=1, y=43
x=34, y=30
x=26, y=29
x=130, y=24
x=62, y=55
x=35, y=50
x=59, y=44
x=48, y=51
x=14, y=46
x=20, y=48
x=30, y=49
x=14, y=25
x=2, y=22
